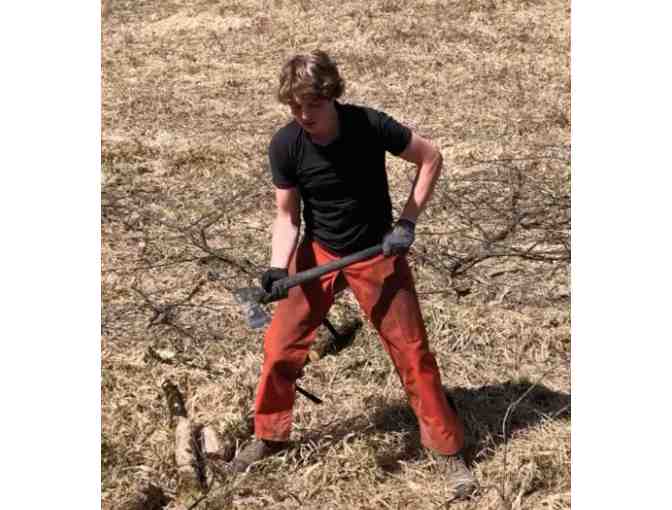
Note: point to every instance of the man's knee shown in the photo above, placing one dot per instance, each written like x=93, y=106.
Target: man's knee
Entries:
x=417, y=359
x=282, y=360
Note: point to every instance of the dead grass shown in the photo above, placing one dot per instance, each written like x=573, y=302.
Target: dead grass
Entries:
x=187, y=114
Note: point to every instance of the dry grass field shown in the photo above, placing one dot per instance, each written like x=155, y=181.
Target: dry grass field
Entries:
x=187, y=112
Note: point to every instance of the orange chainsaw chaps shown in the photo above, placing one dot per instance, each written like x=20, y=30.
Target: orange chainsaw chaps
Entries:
x=385, y=290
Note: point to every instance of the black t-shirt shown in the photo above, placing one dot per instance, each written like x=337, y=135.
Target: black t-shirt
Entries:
x=343, y=185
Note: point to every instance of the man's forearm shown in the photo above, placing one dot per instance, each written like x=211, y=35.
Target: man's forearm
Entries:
x=283, y=243
x=423, y=187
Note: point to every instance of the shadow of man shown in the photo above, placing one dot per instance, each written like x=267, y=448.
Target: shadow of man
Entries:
x=483, y=410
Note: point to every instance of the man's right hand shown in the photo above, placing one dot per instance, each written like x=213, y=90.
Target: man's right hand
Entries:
x=271, y=275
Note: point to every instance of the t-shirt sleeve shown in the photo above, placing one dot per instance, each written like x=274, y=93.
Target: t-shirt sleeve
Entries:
x=283, y=167
x=394, y=136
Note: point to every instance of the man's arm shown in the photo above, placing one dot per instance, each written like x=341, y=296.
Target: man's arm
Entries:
x=429, y=162
x=285, y=227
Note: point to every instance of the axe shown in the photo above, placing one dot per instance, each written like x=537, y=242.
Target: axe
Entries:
x=252, y=298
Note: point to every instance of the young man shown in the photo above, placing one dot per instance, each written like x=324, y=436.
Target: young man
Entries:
x=331, y=159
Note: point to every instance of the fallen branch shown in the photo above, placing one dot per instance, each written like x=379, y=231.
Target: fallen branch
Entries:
x=165, y=313
x=183, y=435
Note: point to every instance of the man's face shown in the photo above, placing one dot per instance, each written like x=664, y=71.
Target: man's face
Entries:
x=314, y=114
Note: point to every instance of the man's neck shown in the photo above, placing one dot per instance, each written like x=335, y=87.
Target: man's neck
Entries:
x=332, y=131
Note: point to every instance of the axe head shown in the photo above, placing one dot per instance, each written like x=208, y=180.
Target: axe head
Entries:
x=250, y=299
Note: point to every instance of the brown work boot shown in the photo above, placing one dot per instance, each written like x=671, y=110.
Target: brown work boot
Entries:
x=460, y=480
x=255, y=451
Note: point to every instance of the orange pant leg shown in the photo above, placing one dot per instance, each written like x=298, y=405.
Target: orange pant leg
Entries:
x=286, y=343
x=385, y=290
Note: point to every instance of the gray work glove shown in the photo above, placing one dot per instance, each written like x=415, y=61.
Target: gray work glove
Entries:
x=398, y=240
x=271, y=275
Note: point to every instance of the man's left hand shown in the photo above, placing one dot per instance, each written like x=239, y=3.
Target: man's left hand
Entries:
x=400, y=238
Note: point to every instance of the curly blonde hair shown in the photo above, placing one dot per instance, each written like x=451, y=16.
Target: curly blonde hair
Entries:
x=313, y=74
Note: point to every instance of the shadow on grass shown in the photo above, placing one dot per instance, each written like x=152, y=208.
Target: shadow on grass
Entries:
x=346, y=334
x=482, y=410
